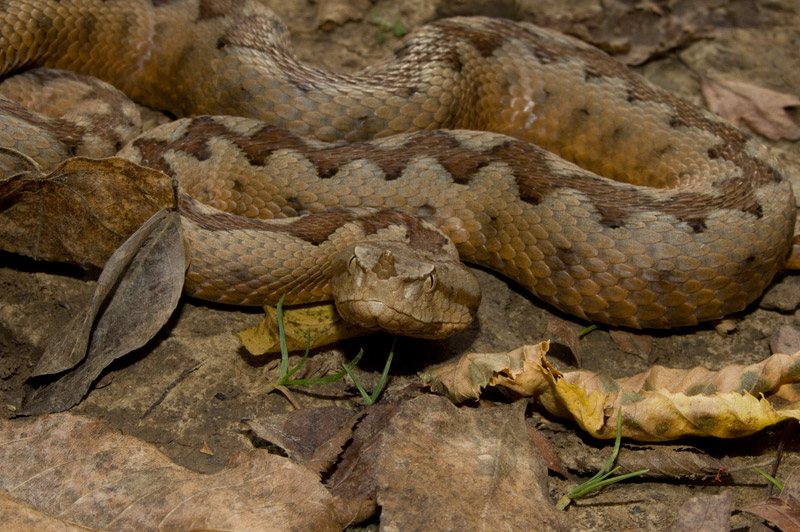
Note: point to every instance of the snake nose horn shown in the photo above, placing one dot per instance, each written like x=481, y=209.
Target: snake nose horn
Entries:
x=384, y=267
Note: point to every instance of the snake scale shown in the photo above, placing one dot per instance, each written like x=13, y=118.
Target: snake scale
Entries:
x=535, y=154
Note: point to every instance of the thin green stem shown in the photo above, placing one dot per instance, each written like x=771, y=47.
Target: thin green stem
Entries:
x=601, y=479
x=370, y=399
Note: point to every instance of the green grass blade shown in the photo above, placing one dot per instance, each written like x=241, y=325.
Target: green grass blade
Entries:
x=775, y=481
x=282, y=340
x=384, y=375
x=302, y=360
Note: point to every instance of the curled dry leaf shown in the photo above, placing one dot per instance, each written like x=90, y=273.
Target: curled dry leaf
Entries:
x=518, y=371
x=321, y=321
x=88, y=474
x=561, y=329
x=67, y=216
x=658, y=405
x=763, y=110
x=138, y=290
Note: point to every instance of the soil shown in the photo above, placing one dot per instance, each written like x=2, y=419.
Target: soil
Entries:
x=190, y=388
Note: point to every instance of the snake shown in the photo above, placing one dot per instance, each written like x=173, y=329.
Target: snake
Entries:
x=483, y=140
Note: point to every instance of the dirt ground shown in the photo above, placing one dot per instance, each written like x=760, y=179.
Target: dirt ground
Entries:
x=194, y=384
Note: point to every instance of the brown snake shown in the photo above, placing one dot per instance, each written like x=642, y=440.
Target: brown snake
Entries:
x=690, y=222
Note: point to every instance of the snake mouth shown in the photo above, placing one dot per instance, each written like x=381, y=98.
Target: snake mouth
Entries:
x=377, y=315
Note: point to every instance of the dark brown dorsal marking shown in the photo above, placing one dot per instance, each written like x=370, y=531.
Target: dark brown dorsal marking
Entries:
x=420, y=236
x=211, y=9
x=312, y=228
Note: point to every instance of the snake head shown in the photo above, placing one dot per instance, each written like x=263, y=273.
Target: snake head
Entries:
x=392, y=287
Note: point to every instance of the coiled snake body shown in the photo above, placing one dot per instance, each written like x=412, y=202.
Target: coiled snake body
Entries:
x=668, y=217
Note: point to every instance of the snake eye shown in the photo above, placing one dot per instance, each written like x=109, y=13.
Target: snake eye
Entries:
x=430, y=282
x=351, y=264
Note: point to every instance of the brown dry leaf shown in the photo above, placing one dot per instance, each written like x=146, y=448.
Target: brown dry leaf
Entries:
x=763, y=110
x=709, y=513
x=562, y=329
x=20, y=517
x=640, y=345
x=433, y=466
x=82, y=211
x=320, y=320
x=87, y=474
x=671, y=461
x=784, y=510
x=658, y=405
x=138, y=290
x=549, y=454
x=353, y=482
x=302, y=432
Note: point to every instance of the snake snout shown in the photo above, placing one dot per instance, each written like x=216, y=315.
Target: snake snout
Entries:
x=392, y=287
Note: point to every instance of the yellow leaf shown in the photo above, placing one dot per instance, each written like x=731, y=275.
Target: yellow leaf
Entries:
x=518, y=371
x=321, y=320
x=657, y=405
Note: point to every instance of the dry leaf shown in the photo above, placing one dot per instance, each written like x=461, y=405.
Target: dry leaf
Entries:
x=353, y=482
x=517, y=371
x=547, y=451
x=658, y=405
x=205, y=449
x=561, y=329
x=709, y=513
x=784, y=510
x=302, y=432
x=671, y=461
x=85, y=473
x=137, y=291
x=320, y=320
x=21, y=517
x=640, y=345
x=433, y=466
x=763, y=110
x=67, y=216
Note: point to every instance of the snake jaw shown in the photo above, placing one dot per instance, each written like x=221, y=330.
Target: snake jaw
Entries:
x=387, y=286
